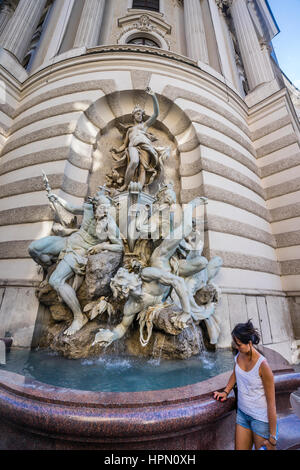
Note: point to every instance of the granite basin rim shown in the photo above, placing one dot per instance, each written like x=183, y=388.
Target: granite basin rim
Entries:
x=35, y=410
x=35, y=390
x=109, y=416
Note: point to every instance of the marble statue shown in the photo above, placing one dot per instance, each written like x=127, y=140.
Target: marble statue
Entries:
x=98, y=231
x=137, y=255
x=160, y=222
x=198, y=272
x=143, y=161
x=152, y=287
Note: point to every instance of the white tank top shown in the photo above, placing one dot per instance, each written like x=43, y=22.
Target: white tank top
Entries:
x=251, y=393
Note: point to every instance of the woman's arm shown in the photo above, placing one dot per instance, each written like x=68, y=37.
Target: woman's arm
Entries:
x=231, y=383
x=269, y=387
x=155, y=114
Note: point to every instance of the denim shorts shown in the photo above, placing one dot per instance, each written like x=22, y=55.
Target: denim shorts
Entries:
x=258, y=427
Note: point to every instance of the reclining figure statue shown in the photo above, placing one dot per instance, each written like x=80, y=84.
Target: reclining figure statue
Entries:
x=153, y=285
x=98, y=232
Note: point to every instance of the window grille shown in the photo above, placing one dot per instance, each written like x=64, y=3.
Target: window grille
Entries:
x=143, y=41
x=146, y=4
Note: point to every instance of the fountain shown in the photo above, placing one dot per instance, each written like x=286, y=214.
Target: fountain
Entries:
x=135, y=257
x=128, y=280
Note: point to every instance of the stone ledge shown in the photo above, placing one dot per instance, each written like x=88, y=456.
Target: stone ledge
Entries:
x=287, y=187
x=234, y=227
x=22, y=215
x=138, y=420
x=251, y=263
x=44, y=156
x=283, y=164
x=288, y=239
x=274, y=126
x=218, y=194
x=252, y=292
x=41, y=134
x=285, y=212
x=276, y=145
x=30, y=185
x=290, y=267
x=226, y=149
x=174, y=93
x=106, y=85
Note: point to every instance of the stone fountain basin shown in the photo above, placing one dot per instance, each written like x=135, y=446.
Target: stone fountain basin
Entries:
x=40, y=416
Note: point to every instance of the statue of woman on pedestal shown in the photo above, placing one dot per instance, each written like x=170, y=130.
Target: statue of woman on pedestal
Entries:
x=144, y=162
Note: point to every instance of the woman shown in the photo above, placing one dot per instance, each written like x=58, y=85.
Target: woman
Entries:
x=138, y=152
x=256, y=414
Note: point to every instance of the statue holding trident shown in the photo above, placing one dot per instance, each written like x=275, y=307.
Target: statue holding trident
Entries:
x=143, y=161
x=98, y=232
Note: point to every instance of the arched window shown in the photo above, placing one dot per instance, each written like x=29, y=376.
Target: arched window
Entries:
x=143, y=41
x=146, y=4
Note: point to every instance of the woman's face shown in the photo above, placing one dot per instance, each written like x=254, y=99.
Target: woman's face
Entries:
x=242, y=348
x=138, y=115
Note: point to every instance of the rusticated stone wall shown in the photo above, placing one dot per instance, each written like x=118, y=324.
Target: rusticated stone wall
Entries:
x=55, y=117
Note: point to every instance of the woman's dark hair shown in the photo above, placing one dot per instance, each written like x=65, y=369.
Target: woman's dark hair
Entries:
x=246, y=332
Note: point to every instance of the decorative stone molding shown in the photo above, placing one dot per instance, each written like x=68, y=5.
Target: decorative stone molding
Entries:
x=149, y=26
x=195, y=34
x=7, y=9
x=90, y=23
x=18, y=32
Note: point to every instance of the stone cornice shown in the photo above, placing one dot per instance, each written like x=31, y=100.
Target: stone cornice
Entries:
x=143, y=49
x=146, y=21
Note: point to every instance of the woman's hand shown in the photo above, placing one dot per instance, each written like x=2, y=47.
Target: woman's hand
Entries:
x=149, y=91
x=220, y=396
x=268, y=445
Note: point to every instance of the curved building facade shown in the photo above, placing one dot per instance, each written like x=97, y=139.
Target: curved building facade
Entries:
x=70, y=69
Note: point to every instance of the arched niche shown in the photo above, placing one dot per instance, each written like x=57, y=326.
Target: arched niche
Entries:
x=98, y=130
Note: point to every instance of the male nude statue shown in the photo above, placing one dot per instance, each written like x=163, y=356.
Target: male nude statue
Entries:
x=154, y=284
x=98, y=232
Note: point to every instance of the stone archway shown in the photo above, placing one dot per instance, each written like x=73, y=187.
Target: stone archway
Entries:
x=97, y=131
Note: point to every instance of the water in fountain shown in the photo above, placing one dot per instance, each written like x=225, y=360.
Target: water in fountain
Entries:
x=117, y=374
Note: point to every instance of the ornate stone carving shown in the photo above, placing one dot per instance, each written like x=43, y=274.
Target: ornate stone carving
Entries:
x=98, y=232
x=156, y=28
x=129, y=259
x=144, y=24
x=139, y=159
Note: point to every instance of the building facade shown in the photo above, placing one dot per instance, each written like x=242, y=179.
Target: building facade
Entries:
x=71, y=68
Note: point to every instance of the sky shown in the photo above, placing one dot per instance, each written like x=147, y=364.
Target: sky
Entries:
x=287, y=42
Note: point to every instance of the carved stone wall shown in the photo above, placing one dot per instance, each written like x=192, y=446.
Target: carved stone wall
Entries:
x=240, y=152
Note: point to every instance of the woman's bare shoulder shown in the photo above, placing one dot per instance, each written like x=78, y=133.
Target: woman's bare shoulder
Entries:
x=265, y=369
